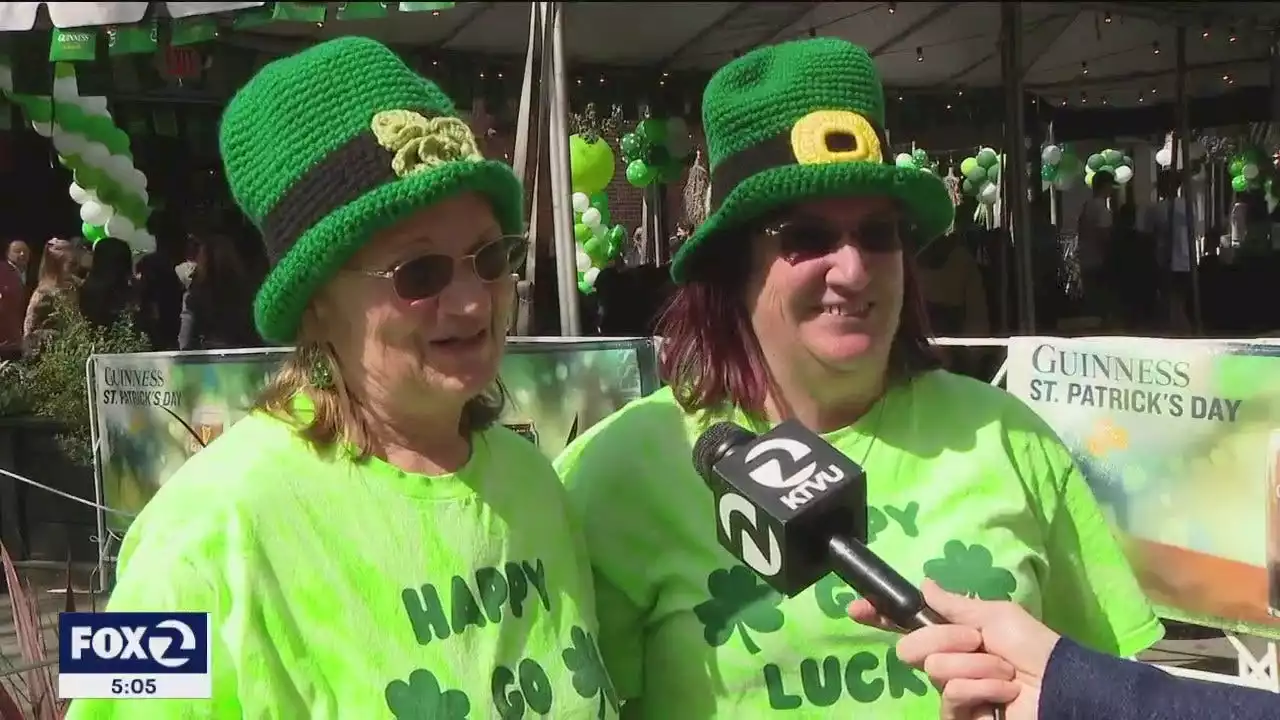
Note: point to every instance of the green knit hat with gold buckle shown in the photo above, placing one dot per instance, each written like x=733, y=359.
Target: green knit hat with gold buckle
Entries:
x=794, y=122
x=324, y=148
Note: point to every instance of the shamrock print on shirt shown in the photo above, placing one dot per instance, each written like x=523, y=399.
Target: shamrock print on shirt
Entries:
x=970, y=570
x=590, y=679
x=422, y=698
x=739, y=601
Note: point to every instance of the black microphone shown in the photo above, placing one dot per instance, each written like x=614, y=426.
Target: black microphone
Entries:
x=794, y=509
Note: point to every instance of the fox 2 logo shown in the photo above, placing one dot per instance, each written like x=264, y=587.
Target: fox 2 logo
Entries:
x=122, y=643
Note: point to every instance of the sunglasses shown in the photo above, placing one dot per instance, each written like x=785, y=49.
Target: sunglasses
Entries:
x=426, y=276
x=809, y=238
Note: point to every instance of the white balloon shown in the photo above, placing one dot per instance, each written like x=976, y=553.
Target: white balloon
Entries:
x=42, y=129
x=581, y=203
x=139, y=180
x=119, y=168
x=95, y=213
x=989, y=194
x=679, y=146
x=590, y=275
x=95, y=105
x=1164, y=157
x=676, y=127
x=1249, y=171
x=143, y=244
x=1052, y=155
x=599, y=231
x=119, y=226
x=80, y=195
x=591, y=218
x=64, y=90
x=583, y=261
x=143, y=196
x=96, y=154
x=1124, y=174
x=6, y=79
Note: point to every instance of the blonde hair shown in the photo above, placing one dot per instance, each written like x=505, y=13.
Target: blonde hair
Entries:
x=312, y=370
x=57, y=264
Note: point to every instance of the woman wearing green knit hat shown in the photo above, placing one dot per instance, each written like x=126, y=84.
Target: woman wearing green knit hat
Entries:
x=797, y=299
x=368, y=542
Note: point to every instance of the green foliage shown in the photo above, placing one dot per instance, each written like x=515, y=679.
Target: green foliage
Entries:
x=51, y=384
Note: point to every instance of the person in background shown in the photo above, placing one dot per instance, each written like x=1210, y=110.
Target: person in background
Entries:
x=996, y=653
x=56, y=284
x=18, y=255
x=217, y=309
x=107, y=292
x=797, y=299
x=13, y=308
x=370, y=541
x=159, y=300
x=1094, y=229
x=1173, y=256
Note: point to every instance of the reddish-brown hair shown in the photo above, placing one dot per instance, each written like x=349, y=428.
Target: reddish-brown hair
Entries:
x=712, y=360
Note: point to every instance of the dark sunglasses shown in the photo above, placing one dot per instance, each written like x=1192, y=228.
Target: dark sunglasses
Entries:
x=808, y=238
x=428, y=275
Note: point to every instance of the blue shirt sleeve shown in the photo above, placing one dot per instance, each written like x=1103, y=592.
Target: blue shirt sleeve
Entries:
x=1080, y=684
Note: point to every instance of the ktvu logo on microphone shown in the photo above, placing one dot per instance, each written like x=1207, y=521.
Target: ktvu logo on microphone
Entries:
x=774, y=491
x=134, y=655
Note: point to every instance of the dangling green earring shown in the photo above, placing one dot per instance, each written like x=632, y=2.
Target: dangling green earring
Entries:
x=319, y=370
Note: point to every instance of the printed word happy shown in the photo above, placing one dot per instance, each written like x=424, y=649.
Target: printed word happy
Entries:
x=474, y=601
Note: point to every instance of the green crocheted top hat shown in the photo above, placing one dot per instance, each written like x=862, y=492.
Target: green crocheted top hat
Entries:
x=324, y=148
x=794, y=122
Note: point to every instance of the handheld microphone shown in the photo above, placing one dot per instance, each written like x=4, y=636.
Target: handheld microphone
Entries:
x=802, y=506
x=807, y=503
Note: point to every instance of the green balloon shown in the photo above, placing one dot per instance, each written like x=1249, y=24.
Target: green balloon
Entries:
x=977, y=173
x=1239, y=183
x=1048, y=173
x=640, y=174
x=1107, y=169
x=631, y=147
x=590, y=164
x=1069, y=165
x=969, y=187
x=1095, y=161
x=597, y=248
x=993, y=174
x=987, y=157
x=616, y=236
x=1113, y=158
x=920, y=157
x=967, y=165
x=652, y=131
x=1236, y=166
x=92, y=233
x=582, y=233
x=600, y=201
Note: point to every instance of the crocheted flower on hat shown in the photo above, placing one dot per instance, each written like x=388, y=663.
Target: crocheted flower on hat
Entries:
x=420, y=143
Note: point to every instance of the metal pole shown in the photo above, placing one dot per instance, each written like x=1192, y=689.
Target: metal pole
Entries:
x=566, y=248
x=1023, y=229
x=1183, y=145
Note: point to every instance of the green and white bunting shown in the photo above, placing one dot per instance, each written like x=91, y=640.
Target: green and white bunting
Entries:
x=111, y=191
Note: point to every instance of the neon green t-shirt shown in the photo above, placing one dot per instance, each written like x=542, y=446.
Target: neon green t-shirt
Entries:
x=966, y=485
x=343, y=590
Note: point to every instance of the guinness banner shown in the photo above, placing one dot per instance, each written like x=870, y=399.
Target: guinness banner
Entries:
x=152, y=411
x=1180, y=441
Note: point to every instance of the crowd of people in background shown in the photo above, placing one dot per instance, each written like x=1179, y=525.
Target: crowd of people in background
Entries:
x=197, y=297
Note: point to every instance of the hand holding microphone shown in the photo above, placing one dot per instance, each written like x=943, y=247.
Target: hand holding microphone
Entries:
x=994, y=653
x=794, y=509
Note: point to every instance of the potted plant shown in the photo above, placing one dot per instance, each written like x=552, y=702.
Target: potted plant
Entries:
x=45, y=435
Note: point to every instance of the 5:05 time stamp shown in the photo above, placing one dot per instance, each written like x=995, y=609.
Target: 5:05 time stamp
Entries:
x=158, y=686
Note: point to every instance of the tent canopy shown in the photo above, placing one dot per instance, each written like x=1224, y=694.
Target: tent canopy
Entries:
x=1077, y=53
x=957, y=41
